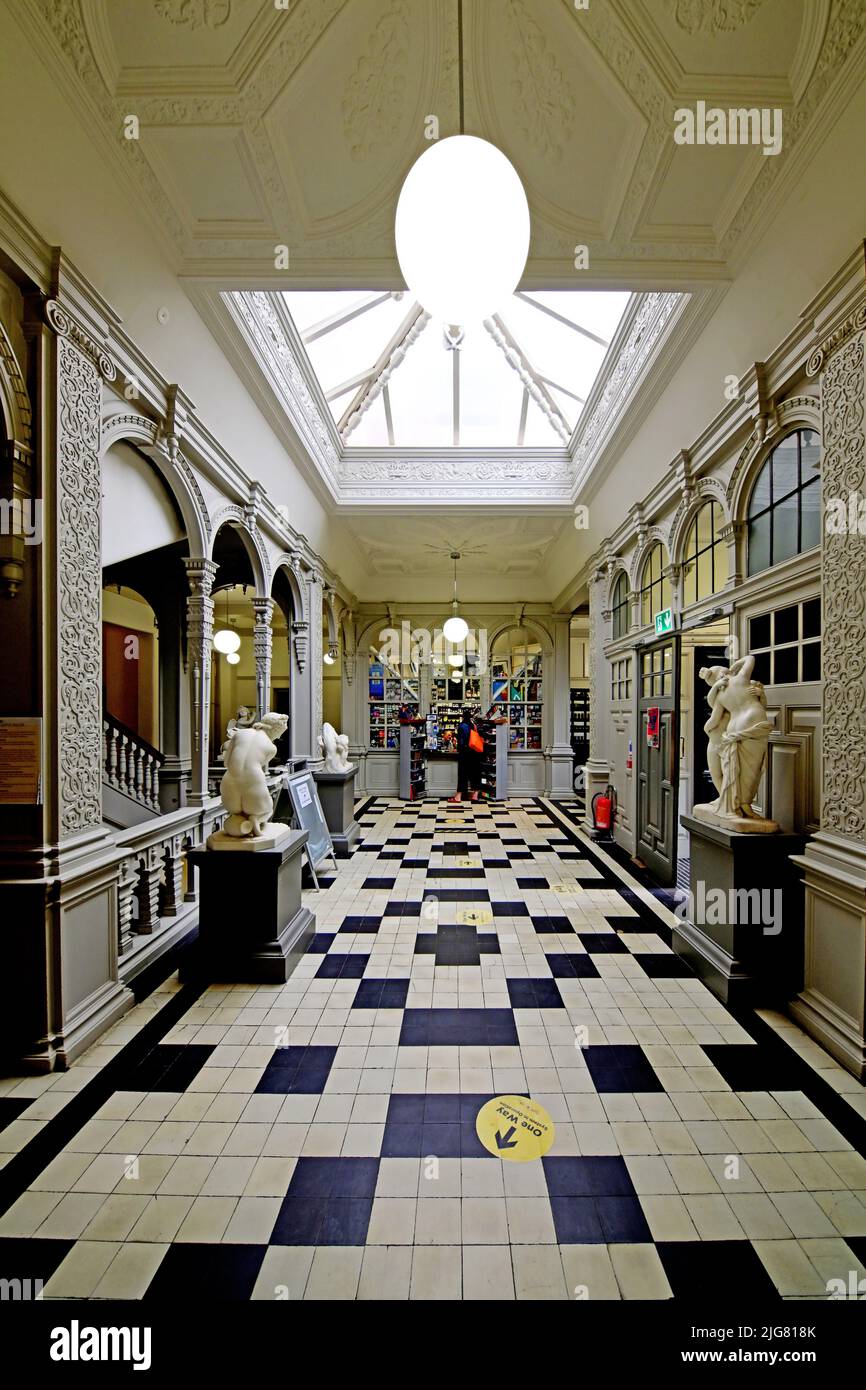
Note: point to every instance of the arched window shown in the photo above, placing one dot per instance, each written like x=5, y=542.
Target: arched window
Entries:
x=705, y=567
x=785, y=506
x=517, y=685
x=619, y=607
x=655, y=587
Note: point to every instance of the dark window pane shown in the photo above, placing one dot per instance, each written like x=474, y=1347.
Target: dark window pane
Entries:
x=785, y=475
x=785, y=529
x=786, y=625
x=720, y=566
x=812, y=618
x=810, y=523
x=812, y=661
x=705, y=576
x=761, y=671
x=810, y=454
x=760, y=498
x=690, y=583
x=785, y=666
x=759, y=544
x=759, y=632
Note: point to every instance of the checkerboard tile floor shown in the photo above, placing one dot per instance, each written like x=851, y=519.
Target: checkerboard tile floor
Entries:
x=317, y=1140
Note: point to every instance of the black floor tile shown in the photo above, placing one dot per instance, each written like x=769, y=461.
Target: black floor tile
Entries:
x=620, y=1069
x=381, y=994
x=458, y=1027
x=571, y=966
x=214, y=1272
x=336, y=967
x=602, y=943
x=716, y=1270
x=534, y=994
x=663, y=965
x=297, y=1071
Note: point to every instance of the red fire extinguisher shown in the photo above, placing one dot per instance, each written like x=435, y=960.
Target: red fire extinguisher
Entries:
x=604, y=810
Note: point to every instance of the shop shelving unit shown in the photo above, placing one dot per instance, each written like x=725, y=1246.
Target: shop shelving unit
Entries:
x=494, y=759
x=413, y=764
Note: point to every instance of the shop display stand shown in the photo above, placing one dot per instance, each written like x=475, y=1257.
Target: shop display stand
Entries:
x=413, y=769
x=579, y=709
x=494, y=759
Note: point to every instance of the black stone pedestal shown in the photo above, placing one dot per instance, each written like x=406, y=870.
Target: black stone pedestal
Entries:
x=252, y=925
x=337, y=795
x=741, y=929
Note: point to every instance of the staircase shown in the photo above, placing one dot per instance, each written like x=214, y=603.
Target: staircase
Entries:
x=130, y=775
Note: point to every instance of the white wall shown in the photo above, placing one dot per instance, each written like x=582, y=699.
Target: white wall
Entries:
x=51, y=168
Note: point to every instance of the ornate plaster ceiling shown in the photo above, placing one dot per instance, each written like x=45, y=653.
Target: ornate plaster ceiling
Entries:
x=293, y=123
x=488, y=545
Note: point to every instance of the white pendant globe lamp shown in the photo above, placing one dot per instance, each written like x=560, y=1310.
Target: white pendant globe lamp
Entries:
x=232, y=658
x=455, y=629
x=224, y=639
x=462, y=224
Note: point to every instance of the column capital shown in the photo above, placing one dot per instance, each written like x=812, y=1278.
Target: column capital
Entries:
x=200, y=575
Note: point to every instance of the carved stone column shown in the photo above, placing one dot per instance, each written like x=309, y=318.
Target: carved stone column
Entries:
x=832, y=1004
x=732, y=534
x=316, y=651
x=199, y=628
x=262, y=647
x=597, y=766
x=60, y=987
x=557, y=685
x=303, y=741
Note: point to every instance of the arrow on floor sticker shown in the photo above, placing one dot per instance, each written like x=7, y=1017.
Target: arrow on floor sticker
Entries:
x=504, y=1141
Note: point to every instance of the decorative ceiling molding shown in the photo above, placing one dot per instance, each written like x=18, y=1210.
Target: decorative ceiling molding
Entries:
x=404, y=65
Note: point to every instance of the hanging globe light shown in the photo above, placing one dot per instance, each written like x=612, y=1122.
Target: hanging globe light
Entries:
x=462, y=229
x=455, y=629
x=226, y=641
x=232, y=658
x=455, y=659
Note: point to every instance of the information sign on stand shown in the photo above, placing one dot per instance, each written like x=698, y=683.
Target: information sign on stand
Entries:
x=309, y=816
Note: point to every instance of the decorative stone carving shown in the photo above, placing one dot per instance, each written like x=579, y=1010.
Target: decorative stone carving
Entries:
x=376, y=91
x=334, y=749
x=300, y=632
x=542, y=398
x=262, y=648
x=843, y=588
x=737, y=733
x=199, y=626
x=244, y=719
x=244, y=789
x=543, y=104
x=65, y=327
x=713, y=16
x=79, y=583
x=195, y=14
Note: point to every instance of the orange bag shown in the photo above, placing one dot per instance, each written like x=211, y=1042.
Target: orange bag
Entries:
x=476, y=742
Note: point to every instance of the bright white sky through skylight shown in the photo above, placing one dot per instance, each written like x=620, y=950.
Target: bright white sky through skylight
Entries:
x=428, y=401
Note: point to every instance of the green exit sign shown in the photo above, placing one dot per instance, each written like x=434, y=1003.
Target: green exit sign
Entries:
x=664, y=622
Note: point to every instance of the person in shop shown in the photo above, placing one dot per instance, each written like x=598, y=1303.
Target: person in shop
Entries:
x=469, y=748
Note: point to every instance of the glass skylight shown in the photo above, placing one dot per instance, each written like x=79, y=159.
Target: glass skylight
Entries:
x=392, y=377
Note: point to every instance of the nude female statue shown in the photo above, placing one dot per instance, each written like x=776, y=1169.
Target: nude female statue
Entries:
x=243, y=789
x=737, y=732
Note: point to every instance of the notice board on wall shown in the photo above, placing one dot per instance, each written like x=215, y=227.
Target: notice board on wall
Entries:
x=21, y=762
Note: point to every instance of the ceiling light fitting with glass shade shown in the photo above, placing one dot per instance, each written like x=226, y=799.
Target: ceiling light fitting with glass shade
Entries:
x=462, y=224
x=330, y=656
x=225, y=640
x=455, y=628
x=232, y=658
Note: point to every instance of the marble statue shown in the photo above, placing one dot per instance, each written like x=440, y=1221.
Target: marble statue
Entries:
x=244, y=719
x=737, y=733
x=243, y=789
x=334, y=748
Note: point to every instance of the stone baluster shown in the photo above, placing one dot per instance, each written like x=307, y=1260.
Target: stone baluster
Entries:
x=150, y=869
x=171, y=890
x=126, y=884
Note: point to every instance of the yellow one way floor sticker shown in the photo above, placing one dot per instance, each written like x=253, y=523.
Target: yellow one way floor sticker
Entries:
x=515, y=1128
